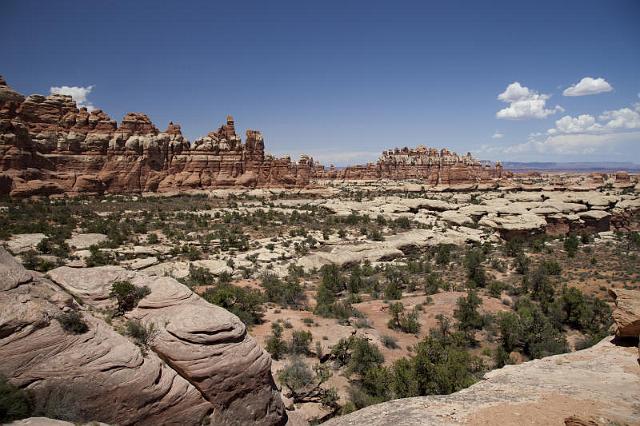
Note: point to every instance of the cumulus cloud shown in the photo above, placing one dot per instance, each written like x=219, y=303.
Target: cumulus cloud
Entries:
x=588, y=86
x=580, y=124
x=609, y=121
x=576, y=144
x=624, y=118
x=584, y=134
x=497, y=135
x=79, y=94
x=524, y=103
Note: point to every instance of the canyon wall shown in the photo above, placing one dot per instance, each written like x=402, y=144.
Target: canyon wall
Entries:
x=48, y=145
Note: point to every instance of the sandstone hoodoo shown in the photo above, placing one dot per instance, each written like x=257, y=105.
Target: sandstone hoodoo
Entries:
x=48, y=145
x=429, y=165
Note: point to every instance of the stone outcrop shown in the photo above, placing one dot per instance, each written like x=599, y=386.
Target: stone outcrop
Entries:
x=429, y=165
x=627, y=312
x=48, y=146
x=599, y=384
x=201, y=364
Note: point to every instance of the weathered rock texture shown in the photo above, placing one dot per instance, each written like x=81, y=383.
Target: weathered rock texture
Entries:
x=598, y=384
x=429, y=165
x=627, y=312
x=201, y=364
x=49, y=146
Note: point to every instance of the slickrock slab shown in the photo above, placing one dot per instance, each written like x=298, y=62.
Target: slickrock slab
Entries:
x=201, y=364
x=209, y=346
x=84, y=241
x=20, y=243
x=602, y=383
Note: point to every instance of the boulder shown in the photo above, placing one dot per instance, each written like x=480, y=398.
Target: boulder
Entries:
x=626, y=314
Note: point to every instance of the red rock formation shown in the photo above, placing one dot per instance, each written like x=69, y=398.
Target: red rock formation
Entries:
x=426, y=164
x=48, y=146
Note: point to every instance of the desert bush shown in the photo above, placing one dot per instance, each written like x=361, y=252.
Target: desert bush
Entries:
x=495, y=288
x=443, y=254
x=142, y=334
x=433, y=283
x=530, y=331
x=98, y=257
x=400, y=320
x=469, y=319
x=72, y=322
x=300, y=340
x=245, y=303
x=475, y=271
x=571, y=243
x=14, y=402
x=305, y=385
x=275, y=345
x=127, y=295
x=285, y=293
x=551, y=267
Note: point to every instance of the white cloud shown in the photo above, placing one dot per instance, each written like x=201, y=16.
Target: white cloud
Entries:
x=497, y=135
x=609, y=121
x=576, y=144
x=79, y=94
x=524, y=103
x=588, y=86
x=624, y=118
x=584, y=134
x=580, y=124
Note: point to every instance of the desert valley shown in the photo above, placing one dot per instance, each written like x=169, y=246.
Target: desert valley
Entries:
x=146, y=279
x=286, y=213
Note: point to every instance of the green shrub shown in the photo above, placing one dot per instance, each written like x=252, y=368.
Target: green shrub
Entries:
x=127, y=295
x=571, y=245
x=72, y=322
x=475, y=271
x=142, y=334
x=400, y=320
x=433, y=283
x=14, y=402
x=98, y=257
x=198, y=276
x=275, y=345
x=300, y=340
x=551, y=267
x=284, y=293
x=245, y=303
x=467, y=314
x=495, y=288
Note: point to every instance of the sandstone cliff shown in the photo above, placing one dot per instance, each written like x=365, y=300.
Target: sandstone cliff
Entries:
x=49, y=146
x=202, y=364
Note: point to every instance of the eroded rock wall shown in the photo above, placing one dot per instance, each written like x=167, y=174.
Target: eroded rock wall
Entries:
x=48, y=145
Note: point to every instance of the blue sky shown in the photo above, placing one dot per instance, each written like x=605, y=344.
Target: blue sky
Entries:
x=344, y=80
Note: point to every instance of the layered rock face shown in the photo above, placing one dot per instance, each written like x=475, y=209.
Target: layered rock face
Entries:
x=201, y=365
x=48, y=146
x=432, y=166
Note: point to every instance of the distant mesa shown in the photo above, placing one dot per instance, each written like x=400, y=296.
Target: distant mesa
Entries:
x=429, y=165
x=50, y=146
